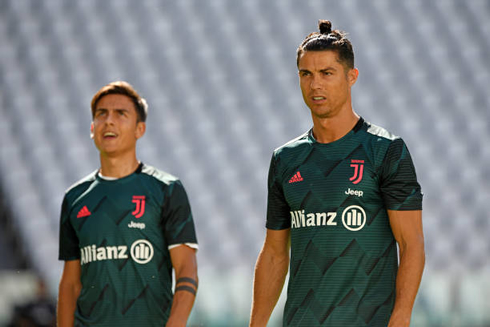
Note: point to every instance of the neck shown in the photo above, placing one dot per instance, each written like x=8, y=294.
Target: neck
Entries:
x=327, y=130
x=117, y=167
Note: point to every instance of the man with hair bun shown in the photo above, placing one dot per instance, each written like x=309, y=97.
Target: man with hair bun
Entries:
x=340, y=198
x=123, y=228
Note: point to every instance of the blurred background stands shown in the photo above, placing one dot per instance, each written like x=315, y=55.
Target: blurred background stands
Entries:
x=220, y=79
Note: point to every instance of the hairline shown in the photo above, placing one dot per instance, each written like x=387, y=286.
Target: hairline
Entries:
x=337, y=52
x=125, y=90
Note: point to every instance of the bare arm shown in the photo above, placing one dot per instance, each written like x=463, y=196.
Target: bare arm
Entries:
x=185, y=265
x=407, y=229
x=270, y=272
x=69, y=290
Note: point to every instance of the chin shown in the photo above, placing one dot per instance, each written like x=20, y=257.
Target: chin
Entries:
x=322, y=114
x=107, y=151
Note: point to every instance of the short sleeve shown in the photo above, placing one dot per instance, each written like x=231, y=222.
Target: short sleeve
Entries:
x=177, y=216
x=278, y=212
x=399, y=186
x=68, y=240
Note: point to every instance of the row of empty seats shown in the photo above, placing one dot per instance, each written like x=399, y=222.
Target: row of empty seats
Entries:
x=220, y=78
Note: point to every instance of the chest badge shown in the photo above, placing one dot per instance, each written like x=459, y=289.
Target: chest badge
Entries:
x=139, y=200
x=358, y=166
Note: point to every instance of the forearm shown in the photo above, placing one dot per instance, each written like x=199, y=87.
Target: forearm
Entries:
x=67, y=301
x=412, y=261
x=270, y=273
x=184, y=296
x=181, y=307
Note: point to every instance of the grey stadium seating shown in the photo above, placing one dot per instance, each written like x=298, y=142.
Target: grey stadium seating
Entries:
x=220, y=79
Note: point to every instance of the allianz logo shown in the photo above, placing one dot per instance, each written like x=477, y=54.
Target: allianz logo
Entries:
x=141, y=251
x=299, y=219
x=353, y=218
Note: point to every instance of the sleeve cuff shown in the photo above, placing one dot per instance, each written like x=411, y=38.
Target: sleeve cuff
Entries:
x=191, y=245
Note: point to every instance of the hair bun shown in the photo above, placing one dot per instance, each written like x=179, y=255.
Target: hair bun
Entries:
x=325, y=26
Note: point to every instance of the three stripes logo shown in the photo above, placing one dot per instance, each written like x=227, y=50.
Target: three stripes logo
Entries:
x=296, y=178
x=84, y=212
x=358, y=166
x=139, y=200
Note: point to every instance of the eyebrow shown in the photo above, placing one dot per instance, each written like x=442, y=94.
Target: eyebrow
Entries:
x=303, y=71
x=321, y=70
x=117, y=109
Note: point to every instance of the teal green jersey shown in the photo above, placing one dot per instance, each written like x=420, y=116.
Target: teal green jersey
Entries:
x=334, y=197
x=121, y=231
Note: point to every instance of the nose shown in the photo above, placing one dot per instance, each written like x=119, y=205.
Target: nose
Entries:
x=110, y=117
x=315, y=82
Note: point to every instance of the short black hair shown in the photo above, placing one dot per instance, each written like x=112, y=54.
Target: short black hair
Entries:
x=327, y=39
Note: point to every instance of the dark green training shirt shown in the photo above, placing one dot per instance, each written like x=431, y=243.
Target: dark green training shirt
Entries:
x=334, y=197
x=121, y=230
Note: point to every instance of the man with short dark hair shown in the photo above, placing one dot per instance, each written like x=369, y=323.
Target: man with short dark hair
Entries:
x=340, y=198
x=123, y=228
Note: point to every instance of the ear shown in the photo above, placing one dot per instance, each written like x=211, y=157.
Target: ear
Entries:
x=92, y=130
x=140, y=129
x=352, y=76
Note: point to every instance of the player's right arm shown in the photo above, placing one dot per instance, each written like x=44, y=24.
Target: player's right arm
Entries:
x=69, y=290
x=270, y=272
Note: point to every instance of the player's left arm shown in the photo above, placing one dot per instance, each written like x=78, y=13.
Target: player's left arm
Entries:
x=408, y=232
x=185, y=265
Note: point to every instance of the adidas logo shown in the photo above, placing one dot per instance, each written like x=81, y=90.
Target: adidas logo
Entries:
x=296, y=178
x=83, y=212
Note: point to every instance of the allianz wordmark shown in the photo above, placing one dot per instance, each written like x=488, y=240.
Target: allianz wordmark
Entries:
x=141, y=251
x=353, y=218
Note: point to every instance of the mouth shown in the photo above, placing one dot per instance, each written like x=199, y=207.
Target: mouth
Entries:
x=109, y=135
x=318, y=98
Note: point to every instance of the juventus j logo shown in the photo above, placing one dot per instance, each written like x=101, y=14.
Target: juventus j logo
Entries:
x=139, y=200
x=358, y=166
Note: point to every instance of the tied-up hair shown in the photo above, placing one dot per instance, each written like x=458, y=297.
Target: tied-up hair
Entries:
x=123, y=88
x=327, y=39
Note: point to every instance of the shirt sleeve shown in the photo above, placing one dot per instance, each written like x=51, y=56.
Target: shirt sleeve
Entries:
x=177, y=216
x=68, y=240
x=278, y=211
x=399, y=186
